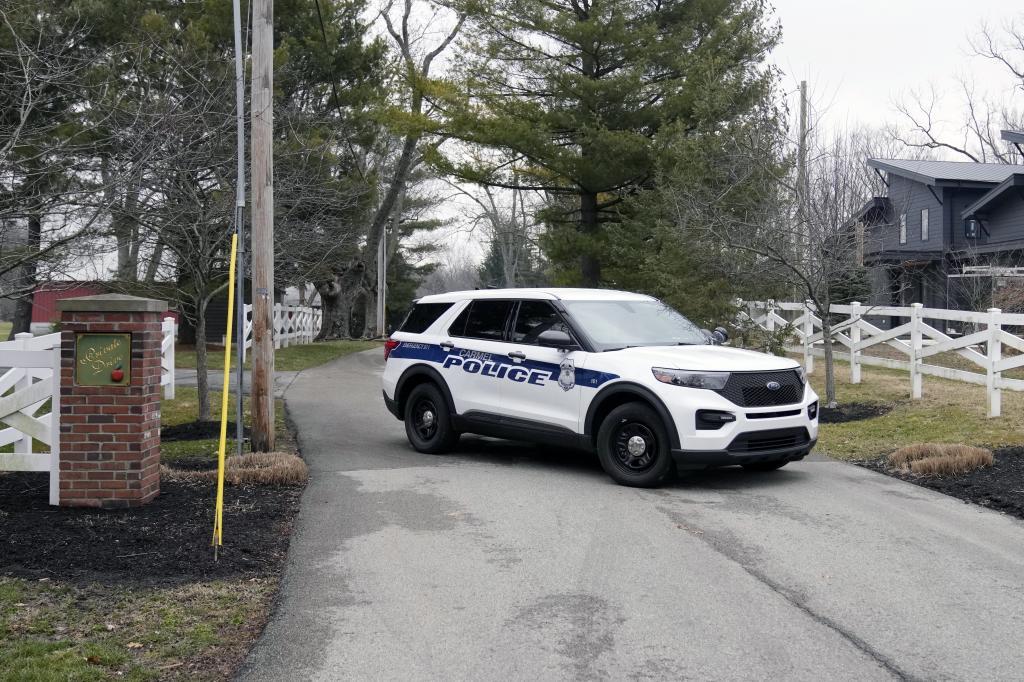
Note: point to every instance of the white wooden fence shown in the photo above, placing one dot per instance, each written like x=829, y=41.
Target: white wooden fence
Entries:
x=170, y=335
x=981, y=341
x=30, y=384
x=293, y=325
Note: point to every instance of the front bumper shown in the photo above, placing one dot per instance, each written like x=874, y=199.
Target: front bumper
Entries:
x=705, y=459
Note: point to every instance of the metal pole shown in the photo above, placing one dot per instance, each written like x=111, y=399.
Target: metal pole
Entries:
x=240, y=222
x=262, y=398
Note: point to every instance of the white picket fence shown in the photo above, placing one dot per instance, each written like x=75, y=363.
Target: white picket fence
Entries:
x=31, y=381
x=294, y=325
x=981, y=342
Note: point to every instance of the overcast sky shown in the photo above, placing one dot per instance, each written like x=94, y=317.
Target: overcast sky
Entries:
x=860, y=55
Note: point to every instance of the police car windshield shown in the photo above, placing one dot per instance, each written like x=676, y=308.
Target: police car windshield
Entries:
x=618, y=324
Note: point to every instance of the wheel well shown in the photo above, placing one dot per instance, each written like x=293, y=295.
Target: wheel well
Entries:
x=621, y=397
x=416, y=378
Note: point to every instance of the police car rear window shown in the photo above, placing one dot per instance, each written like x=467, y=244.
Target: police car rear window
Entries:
x=422, y=316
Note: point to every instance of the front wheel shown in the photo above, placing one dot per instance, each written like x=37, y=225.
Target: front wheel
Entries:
x=428, y=423
x=634, y=447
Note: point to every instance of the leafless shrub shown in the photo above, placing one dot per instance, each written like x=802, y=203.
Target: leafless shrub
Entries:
x=257, y=468
x=939, y=459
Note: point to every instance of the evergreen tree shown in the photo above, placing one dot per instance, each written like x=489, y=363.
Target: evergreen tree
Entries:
x=577, y=92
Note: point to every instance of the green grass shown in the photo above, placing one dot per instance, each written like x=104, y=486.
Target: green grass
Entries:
x=5, y=330
x=185, y=408
x=55, y=631
x=948, y=412
x=292, y=358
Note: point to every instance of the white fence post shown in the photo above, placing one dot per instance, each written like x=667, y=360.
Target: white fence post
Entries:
x=808, y=344
x=769, y=319
x=23, y=446
x=854, y=342
x=167, y=360
x=915, y=350
x=993, y=379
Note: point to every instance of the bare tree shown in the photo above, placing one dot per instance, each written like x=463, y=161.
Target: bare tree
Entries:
x=418, y=46
x=977, y=136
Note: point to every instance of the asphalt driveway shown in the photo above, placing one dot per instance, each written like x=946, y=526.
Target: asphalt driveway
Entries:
x=503, y=561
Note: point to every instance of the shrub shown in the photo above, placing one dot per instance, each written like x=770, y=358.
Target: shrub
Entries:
x=939, y=459
x=259, y=468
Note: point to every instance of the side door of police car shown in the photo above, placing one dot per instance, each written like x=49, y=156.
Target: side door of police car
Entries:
x=475, y=353
x=542, y=389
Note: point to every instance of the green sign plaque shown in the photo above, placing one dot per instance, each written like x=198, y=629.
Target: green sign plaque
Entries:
x=103, y=359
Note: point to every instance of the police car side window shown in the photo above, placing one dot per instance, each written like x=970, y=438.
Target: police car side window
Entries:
x=422, y=316
x=483, y=320
x=534, y=318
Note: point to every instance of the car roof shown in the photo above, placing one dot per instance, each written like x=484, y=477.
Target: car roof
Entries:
x=546, y=294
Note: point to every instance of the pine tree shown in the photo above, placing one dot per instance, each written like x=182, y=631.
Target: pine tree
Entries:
x=577, y=91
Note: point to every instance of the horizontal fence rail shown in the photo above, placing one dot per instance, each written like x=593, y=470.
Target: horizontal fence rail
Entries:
x=293, y=325
x=915, y=332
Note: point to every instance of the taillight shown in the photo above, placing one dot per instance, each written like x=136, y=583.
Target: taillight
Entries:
x=389, y=346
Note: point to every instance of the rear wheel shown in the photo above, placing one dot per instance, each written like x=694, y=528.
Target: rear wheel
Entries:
x=428, y=423
x=634, y=447
x=765, y=466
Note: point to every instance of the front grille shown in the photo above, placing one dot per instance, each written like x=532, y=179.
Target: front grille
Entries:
x=750, y=389
x=758, y=441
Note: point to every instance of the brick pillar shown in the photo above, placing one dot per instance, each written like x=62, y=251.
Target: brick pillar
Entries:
x=110, y=434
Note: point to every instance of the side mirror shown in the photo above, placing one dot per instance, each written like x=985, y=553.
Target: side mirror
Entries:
x=555, y=338
x=720, y=335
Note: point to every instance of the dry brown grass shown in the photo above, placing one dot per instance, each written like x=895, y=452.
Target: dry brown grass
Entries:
x=260, y=468
x=940, y=459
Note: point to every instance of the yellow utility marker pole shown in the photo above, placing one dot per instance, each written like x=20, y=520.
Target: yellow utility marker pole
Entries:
x=218, y=515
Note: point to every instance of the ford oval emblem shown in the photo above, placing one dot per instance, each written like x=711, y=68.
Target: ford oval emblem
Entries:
x=773, y=385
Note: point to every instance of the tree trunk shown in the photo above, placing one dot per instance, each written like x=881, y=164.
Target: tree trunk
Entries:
x=153, y=267
x=202, y=369
x=336, y=303
x=590, y=266
x=23, y=307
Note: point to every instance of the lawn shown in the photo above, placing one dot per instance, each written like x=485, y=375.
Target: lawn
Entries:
x=183, y=410
x=53, y=630
x=292, y=358
x=949, y=412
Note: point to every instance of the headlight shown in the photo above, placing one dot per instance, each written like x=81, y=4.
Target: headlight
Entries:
x=802, y=373
x=713, y=381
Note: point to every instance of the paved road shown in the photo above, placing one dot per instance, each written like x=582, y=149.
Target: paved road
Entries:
x=503, y=562
x=282, y=379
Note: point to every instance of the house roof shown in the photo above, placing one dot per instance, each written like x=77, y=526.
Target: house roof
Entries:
x=1015, y=180
x=876, y=207
x=1014, y=136
x=946, y=172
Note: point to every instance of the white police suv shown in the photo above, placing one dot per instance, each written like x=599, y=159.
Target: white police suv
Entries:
x=620, y=373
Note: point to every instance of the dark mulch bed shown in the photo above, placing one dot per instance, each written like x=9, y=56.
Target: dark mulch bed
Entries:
x=999, y=487
x=198, y=431
x=851, y=412
x=165, y=541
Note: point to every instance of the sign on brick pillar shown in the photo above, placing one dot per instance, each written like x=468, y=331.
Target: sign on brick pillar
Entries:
x=110, y=400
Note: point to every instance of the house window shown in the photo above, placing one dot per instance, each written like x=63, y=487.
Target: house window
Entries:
x=903, y=228
x=924, y=224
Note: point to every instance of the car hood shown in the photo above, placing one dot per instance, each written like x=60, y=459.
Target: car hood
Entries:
x=707, y=358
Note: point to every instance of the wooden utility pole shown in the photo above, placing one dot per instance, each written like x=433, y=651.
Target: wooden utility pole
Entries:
x=263, y=226
x=803, y=228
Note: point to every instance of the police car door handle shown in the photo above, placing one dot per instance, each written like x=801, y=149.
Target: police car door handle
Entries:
x=447, y=345
x=517, y=355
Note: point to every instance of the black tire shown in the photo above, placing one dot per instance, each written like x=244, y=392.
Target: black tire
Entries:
x=428, y=423
x=765, y=466
x=651, y=467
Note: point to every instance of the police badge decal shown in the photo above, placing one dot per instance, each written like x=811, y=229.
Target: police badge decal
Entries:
x=567, y=374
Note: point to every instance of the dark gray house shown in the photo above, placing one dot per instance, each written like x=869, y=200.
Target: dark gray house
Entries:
x=946, y=233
